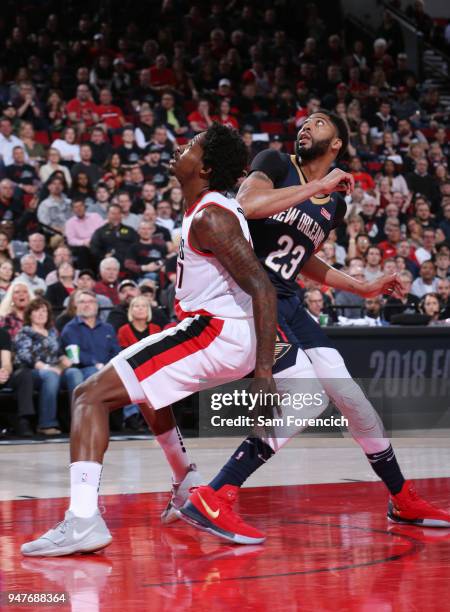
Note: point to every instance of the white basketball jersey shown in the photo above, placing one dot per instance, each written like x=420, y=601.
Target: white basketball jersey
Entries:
x=203, y=285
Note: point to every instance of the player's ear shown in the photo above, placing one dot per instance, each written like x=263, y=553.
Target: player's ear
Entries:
x=336, y=146
x=205, y=173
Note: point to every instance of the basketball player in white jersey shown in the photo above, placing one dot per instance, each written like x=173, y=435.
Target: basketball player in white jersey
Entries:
x=228, y=310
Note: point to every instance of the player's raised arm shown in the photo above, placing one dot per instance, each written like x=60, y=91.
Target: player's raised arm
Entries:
x=260, y=200
x=318, y=270
x=218, y=231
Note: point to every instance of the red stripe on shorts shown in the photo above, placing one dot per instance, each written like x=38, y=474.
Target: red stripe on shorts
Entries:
x=182, y=350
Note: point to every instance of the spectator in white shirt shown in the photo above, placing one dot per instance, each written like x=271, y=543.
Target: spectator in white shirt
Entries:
x=427, y=281
x=28, y=268
x=164, y=215
x=8, y=141
x=67, y=146
x=53, y=165
x=427, y=250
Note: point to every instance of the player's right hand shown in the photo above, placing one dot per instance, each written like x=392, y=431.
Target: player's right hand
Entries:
x=336, y=180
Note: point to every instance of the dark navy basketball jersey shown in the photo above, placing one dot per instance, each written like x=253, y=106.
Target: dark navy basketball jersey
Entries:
x=284, y=242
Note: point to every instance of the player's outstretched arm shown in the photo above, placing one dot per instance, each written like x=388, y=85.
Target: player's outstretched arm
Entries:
x=321, y=272
x=260, y=200
x=216, y=230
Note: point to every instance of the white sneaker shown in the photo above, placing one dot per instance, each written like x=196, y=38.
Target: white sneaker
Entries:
x=180, y=494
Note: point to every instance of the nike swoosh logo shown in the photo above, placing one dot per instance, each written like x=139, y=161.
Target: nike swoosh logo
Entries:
x=79, y=535
x=213, y=514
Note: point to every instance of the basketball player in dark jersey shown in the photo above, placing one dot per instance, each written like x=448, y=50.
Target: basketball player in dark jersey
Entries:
x=286, y=232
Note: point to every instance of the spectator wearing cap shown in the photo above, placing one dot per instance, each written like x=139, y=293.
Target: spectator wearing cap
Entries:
x=86, y=165
x=172, y=117
x=109, y=269
x=113, y=238
x=55, y=210
x=427, y=280
x=153, y=169
x=276, y=142
x=110, y=115
x=128, y=289
x=224, y=89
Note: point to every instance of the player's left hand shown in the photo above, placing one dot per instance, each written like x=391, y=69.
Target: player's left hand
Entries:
x=388, y=284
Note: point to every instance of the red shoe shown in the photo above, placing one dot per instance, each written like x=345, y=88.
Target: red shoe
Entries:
x=408, y=508
x=213, y=511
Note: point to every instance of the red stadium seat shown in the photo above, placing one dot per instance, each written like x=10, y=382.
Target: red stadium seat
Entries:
x=116, y=140
x=374, y=166
x=42, y=138
x=272, y=127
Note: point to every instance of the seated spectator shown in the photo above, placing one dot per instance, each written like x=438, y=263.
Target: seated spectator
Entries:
x=128, y=151
x=352, y=304
x=113, y=238
x=388, y=247
x=57, y=293
x=372, y=269
x=21, y=173
x=67, y=146
x=313, y=299
x=28, y=274
x=408, y=303
x=118, y=316
x=61, y=254
x=420, y=182
x=6, y=276
x=34, y=150
x=430, y=305
x=86, y=165
x=164, y=215
x=171, y=116
x=442, y=261
x=443, y=291
x=358, y=246
x=161, y=139
x=102, y=201
x=396, y=181
x=21, y=382
x=139, y=324
x=161, y=76
x=128, y=218
x=146, y=257
x=427, y=281
x=109, y=270
x=8, y=141
x=153, y=169
x=6, y=248
x=68, y=313
x=101, y=149
x=82, y=110
x=53, y=165
x=110, y=115
x=145, y=128
x=363, y=178
x=82, y=188
x=329, y=254
x=80, y=227
x=423, y=213
x=37, y=347
x=36, y=247
x=408, y=252
x=427, y=250
x=224, y=116
x=11, y=206
x=373, y=310
x=55, y=210
x=200, y=119
x=13, y=306
x=87, y=280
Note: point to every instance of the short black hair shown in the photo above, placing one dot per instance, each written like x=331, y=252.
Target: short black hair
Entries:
x=341, y=128
x=225, y=153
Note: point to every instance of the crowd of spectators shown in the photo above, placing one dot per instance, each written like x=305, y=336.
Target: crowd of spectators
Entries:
x=90, y=217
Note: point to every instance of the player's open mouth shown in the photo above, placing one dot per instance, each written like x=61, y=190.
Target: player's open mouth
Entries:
x=304, y=137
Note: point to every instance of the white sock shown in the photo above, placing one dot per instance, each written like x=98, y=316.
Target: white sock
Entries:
x=84, y=485
x=171, y=443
